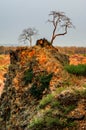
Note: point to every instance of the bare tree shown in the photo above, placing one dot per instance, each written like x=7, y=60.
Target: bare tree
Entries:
x=27, y=35
x=59, y=21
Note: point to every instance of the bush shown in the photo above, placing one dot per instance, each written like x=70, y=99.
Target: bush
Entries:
x=40, y=86
x=76, y=69
x=28, y=75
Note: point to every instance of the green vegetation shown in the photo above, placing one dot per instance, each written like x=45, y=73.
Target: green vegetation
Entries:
x=28, y=75
x=81, y=93
x=45, y=101
x=50, y=123
x=40, y=85
x=69, y=108
x=60, y=89
x=53, y=117
x=76, y=69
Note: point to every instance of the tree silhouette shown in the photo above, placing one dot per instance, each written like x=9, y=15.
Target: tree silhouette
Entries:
x=60, y=22
x=27, y=35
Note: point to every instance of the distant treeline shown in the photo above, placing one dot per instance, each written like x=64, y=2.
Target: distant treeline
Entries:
x=73, y=50
x=6, y=50
x=66, y=50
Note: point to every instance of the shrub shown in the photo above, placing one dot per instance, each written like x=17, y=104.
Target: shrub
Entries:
x=39, y=87
x=28, y=75
x=76, y=69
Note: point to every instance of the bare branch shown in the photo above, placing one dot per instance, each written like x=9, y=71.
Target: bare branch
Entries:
x=59, y=20
x=27, y=35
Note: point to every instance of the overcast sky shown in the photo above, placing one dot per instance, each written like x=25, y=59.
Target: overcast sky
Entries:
x=16, y=15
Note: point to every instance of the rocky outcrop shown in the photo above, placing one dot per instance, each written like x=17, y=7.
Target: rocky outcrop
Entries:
x=33, y=74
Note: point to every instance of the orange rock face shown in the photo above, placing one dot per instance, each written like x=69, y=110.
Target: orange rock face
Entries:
x=4, y=62
x=77, y=59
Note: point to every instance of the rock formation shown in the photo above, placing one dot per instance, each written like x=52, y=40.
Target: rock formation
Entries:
x=33, y=74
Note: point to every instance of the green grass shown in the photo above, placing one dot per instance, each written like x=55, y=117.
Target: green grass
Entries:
x=76, y=69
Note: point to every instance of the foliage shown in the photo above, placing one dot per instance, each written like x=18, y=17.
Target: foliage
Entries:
x=43, y=83
x=28, y=75
x=45, y=79
x=76, y=69
x=51, y=120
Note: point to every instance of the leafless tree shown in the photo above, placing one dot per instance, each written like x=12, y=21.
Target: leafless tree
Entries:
x=60, y=22
x=27, y=35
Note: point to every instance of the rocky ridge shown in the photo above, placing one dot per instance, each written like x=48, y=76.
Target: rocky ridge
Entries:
x=39, y=93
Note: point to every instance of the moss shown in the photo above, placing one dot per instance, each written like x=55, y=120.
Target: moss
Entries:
x=60, y=89
x=69, y=109
x=55, y=104
x=50, y=122
x=45, y=101
x=55, y=116
x=36, y=123
x=80, y=93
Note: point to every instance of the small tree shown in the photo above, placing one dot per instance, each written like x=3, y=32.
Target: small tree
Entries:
x=27, y=35
x=59, y=21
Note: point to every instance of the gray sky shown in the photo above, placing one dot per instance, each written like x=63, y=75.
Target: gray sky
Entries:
x=16, y=15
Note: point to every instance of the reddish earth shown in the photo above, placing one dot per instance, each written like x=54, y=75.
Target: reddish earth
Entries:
x=77, y=59
x=4, y=63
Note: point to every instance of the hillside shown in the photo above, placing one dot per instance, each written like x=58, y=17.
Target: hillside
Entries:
x=40, y=94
